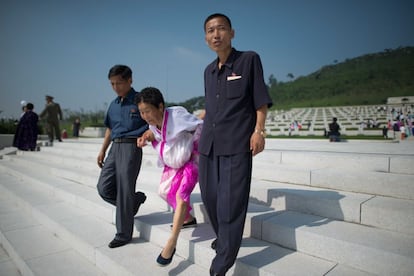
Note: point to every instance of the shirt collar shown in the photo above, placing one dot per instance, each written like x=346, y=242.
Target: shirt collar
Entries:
x=228, y=63
x=129, y=97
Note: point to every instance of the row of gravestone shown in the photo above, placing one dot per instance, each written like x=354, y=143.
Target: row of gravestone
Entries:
x=354, y=120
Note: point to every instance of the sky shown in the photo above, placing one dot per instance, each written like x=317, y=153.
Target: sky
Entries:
x=66, y=48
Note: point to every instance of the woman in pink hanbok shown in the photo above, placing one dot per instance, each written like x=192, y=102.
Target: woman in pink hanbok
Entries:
x=174, y=134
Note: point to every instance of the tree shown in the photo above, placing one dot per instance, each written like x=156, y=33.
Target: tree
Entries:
x=272, y=81
x=290, y=75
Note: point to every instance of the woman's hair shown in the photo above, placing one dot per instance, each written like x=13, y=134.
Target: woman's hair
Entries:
x=150, y=95
x=120, y=70
x=214, y=15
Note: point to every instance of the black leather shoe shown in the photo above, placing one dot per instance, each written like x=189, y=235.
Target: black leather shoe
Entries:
x=163, y=261
x=190, y=224
x=141, y=199
x=117, y=243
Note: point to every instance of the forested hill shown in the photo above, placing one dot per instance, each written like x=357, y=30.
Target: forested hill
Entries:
x=364, y=80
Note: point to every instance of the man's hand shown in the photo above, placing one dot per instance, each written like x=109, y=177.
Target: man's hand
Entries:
x=100, y=159
x=257, y=143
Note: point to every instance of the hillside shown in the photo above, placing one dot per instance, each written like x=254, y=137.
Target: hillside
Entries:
x=365, y=80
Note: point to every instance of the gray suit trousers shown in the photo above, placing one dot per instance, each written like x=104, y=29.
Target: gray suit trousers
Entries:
x=117, y=182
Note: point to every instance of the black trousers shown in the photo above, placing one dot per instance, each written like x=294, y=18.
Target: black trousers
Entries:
x=225, y=189
x=117, y=182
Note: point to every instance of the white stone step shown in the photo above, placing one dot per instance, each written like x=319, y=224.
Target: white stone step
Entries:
x=90, y=148
x=85, y=197
x=257, y=213
x=147, y=182
x=69, y=223
x=369, y=249
x=33, y=247
x=322, y=202
x=6, y=151
x=81, y=157
x=394, y=163
x=283, y=168
x=84, y=171
x=351, y=146
x=7, y=266
x=389, y=213
x=374, y=183
x=366, y=162
x=74, y=230
x=378, y=211
x=372, y=156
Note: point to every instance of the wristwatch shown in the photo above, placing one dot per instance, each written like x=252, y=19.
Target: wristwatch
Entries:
x=261, y=132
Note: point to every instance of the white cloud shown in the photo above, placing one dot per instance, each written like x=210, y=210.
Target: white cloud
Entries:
x=190, y=55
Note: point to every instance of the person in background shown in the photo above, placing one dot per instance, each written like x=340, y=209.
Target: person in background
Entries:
x=64, y=134
x=76, y=127
x=27, y=130
x=53, y=114
x=174, y=134
x=334, y=130
x=236, y=103
x=385, y=132
x=24, y=108
x=117, y=181
x=402, y=131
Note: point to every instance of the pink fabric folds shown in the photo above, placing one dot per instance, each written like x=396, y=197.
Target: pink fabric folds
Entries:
x=177, y=145
x=180, y=182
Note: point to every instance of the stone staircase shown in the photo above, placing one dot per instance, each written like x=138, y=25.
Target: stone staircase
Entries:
x=316, y=208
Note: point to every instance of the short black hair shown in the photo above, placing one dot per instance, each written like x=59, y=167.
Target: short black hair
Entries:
x=214, y=15
x=29, y=106
x=150, y=95
x=120, y=70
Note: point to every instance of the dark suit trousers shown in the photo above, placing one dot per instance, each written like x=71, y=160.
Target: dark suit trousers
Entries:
x=117, y=182
x=225, y=188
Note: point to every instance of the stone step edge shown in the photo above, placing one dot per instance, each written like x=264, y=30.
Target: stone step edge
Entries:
x=15, y=257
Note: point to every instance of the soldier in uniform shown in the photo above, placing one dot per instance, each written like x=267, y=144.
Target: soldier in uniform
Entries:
x=53, y=114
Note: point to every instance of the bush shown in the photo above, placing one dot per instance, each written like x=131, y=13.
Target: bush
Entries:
x=8, y=126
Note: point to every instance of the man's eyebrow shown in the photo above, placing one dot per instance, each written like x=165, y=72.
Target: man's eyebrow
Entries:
x=216, y=26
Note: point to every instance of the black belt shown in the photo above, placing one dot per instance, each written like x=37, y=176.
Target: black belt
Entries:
x=125, y=140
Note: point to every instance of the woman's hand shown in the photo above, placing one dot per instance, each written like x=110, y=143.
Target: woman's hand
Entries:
x=141, y=142
x=147, y=136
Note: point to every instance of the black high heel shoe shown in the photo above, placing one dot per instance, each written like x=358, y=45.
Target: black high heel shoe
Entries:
x=163, y=261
